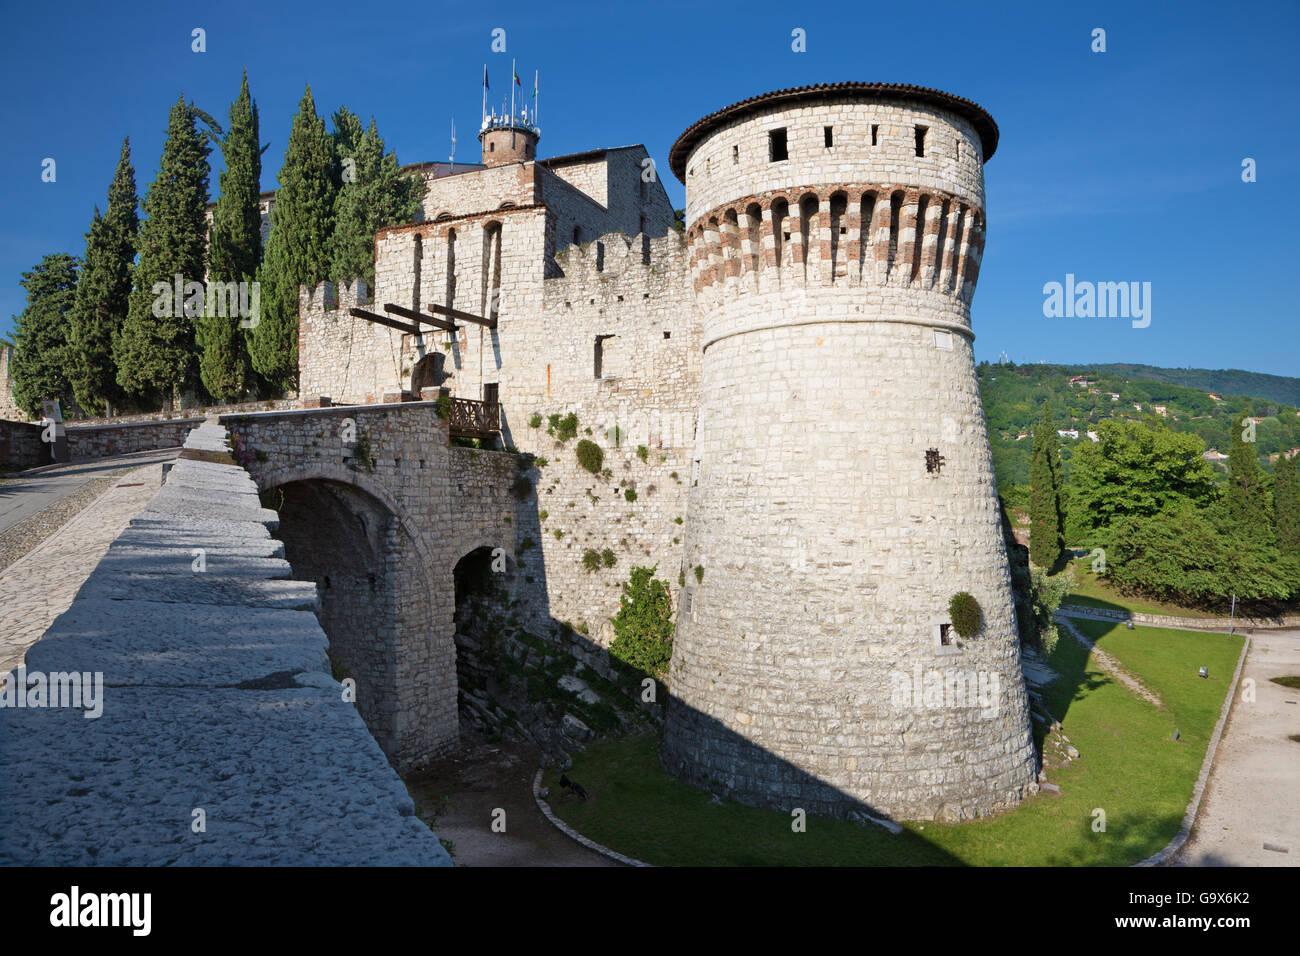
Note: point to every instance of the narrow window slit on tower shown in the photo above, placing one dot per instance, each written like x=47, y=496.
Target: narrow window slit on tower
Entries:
x=827, y=132
x=875, y=131
x=920, y=139
x=735, y=155
x=945, y=634
x=776, y=145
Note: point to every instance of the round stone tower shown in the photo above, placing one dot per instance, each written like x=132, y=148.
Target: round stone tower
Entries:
x=506, y=141
x=844, y=488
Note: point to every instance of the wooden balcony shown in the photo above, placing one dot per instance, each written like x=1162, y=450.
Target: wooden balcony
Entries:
x=472, y=419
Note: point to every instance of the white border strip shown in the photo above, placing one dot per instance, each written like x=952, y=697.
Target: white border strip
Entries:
x=572, y=833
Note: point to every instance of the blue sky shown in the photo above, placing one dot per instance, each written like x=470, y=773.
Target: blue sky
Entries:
x=1115, y=166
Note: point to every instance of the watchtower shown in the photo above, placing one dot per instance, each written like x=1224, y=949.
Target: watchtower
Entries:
x=844, y=485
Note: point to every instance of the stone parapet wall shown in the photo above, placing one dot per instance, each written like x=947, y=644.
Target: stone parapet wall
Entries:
x=21, y=445
x=199, y=669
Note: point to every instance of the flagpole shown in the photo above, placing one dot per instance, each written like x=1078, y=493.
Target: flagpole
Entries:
x=512, y=91
x=483, y=114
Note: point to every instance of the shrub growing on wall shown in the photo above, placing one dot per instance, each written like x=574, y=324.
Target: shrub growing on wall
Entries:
x=591, y=559
x=644, y=623
x=965, y=613
x=590, y=456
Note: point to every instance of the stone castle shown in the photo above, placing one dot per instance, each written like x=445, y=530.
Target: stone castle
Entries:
x=785, y=393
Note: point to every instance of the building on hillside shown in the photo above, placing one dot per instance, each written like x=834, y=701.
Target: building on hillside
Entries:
x=819, y=299
x=1093, y=436
x=1114, y=396
x=1068, y=432
x=1214, y=455
x=1161, y=410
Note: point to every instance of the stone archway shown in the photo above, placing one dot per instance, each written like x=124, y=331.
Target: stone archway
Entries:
x=379, y=610
x=429, y=372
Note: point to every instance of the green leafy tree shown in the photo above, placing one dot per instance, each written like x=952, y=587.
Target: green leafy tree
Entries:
x=1246, y=499
x=1196, y=555
x=40, y=334
x=373, y=193
x=643, y=626
x=155, y=352
x=1286, y=507
x=1135, y=470
x=234, y=249
x=104, y=293
x=298, y=249
x=1046, y=539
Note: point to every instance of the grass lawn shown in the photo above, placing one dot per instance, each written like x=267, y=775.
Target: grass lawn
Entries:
x=1129, y=767
x=1091, y=591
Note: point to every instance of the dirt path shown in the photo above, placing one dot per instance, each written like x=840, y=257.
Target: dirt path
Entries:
x=1110, y=665
x=1250, y=815
x=461, y=792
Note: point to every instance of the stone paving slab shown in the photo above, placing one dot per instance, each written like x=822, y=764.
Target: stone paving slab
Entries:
x=214, y=694
x=284, y=777
x=183, y=645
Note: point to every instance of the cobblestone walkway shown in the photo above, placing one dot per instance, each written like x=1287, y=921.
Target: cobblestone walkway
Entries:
x=40, y=586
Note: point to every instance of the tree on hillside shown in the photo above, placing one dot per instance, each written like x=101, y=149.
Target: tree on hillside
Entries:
x=155, y=351
x=1286, y=507
x=104, y=293
x=373, y=193
x=234, y=249
x=1046, y=518
x=40, y=334
x=1246, y=499
x=298, y=249
x=1135, y=469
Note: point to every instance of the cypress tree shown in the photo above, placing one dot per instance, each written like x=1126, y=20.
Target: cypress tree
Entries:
x=373, y=193
x=155, y=351
x=234, y=249
x=1246, y=504
x=103, y=293
x=40, y=334
x=1286, y=506
x=1046, y=542
x=298, y=249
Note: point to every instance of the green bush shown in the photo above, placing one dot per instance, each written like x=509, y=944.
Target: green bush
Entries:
x=642, y=452
x=630, y=495
x=535, y=421
x=590, y=456
x=442, y=406
x=607, y=558
x=562, y=428
x=643, y=626
x=965, y=613
x=591, y=560
x=699, y=574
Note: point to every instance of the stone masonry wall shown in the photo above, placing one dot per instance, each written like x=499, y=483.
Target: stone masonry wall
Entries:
x=427, y=508
x=21, y=445
x=9, y=410
x=823, y=392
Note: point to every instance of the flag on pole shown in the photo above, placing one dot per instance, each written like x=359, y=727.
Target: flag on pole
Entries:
x=485, y=80
x=517, y=83
x=534, y=85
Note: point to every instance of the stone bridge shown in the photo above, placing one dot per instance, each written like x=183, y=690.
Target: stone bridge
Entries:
x=378, y=508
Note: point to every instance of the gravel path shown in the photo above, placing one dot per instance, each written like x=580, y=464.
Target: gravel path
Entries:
x=53, y=553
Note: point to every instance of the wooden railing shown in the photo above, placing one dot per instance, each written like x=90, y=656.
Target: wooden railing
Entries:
x=471, y=419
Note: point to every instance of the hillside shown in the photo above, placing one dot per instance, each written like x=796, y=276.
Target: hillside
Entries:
x=1225, y=382
x=1013, y=397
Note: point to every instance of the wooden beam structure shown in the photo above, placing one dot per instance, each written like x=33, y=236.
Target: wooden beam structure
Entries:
x=419, y=317
x=463, y=316
x=408, y=327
